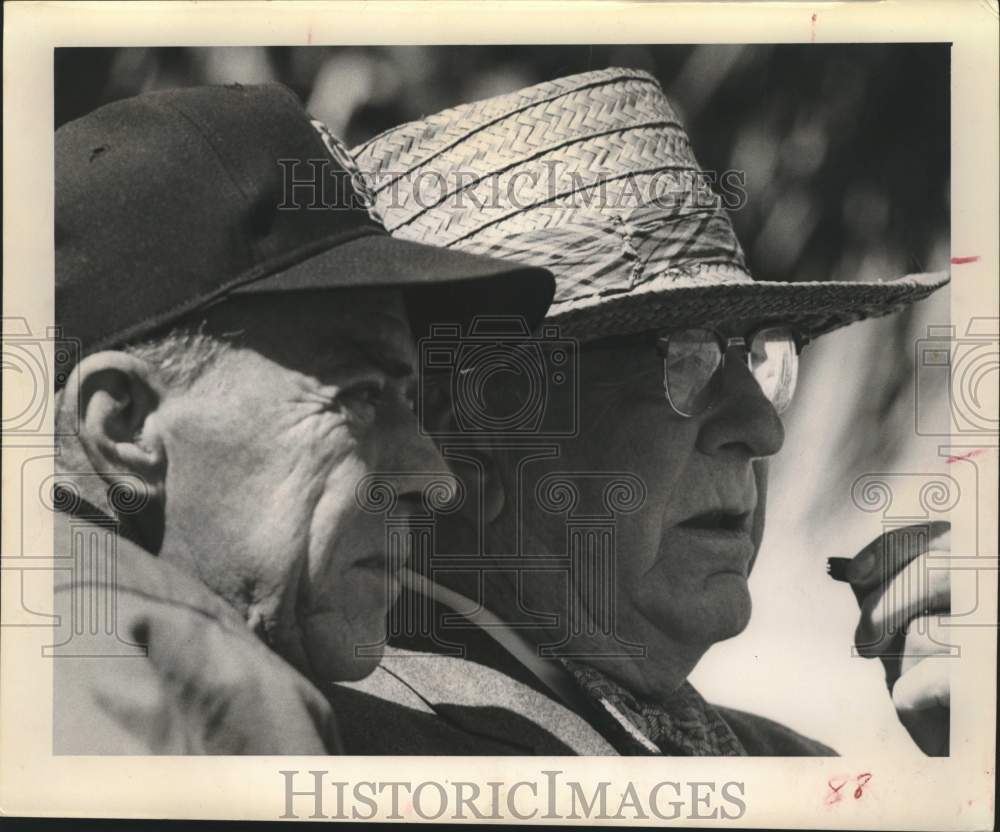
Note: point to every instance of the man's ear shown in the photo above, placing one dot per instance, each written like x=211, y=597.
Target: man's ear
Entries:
x=114, y=396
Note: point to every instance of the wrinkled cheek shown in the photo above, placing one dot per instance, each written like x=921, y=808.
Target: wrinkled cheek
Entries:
x=334, y=528
x=639, y=545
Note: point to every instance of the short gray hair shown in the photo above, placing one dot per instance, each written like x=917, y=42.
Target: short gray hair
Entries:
x=183, y=354
x=179, y=356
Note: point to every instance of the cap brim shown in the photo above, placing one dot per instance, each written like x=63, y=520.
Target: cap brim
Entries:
x=440, y=285
x=814, y=307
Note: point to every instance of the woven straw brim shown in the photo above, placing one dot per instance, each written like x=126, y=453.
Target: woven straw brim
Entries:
x=665, y=303
x=648, y=255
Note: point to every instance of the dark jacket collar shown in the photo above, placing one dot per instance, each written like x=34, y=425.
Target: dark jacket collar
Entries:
x=461, y=637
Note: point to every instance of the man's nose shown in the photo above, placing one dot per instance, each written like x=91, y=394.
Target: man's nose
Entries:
x=413, y=465
x=741, y=418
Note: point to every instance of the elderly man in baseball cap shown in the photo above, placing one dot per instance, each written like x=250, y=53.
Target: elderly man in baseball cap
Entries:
x=620, y=530
x=240, y=357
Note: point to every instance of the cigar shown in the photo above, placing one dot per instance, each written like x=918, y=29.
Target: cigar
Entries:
x=836, y=568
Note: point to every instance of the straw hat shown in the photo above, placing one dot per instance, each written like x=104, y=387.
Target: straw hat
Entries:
x=593, y=177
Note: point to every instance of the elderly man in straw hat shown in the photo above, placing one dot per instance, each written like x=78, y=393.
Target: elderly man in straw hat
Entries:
x=557, y=639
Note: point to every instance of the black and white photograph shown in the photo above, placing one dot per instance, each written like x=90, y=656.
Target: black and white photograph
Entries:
x=495, y=400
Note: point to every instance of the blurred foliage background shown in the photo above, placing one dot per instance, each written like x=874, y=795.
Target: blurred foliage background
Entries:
x=846, y=154
x=845, y=147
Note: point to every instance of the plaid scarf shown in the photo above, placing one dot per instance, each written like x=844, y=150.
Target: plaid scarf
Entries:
x=683, y=725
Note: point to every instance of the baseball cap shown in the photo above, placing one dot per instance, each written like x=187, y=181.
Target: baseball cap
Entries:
x=170, y=201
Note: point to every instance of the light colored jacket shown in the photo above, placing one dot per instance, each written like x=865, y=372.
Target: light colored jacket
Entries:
x=152, y=662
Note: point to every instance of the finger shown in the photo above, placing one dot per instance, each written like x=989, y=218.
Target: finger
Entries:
x=930, y=730
x=920, y=643
x=922, y=699
x=893, y=550
x=925, y=685
x=917, y=645
x=886, y=611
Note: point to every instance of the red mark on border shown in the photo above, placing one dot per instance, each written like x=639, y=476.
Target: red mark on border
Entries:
x=969, y=455
x=814, y=27
x=961, y=261
x=834, y=795
x=836, y=785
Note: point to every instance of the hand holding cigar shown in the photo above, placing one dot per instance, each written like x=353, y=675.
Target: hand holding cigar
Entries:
x=900, y=596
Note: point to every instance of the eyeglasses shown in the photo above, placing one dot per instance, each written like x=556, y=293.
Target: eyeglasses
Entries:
x=693, y=360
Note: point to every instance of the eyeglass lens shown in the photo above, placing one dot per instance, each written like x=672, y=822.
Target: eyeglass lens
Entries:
x=774, y=362
x=693, y=357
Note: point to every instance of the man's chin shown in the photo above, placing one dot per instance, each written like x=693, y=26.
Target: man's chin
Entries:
x=731, y=602
x=720, y=611
x=342, y=654
x=354, y=669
